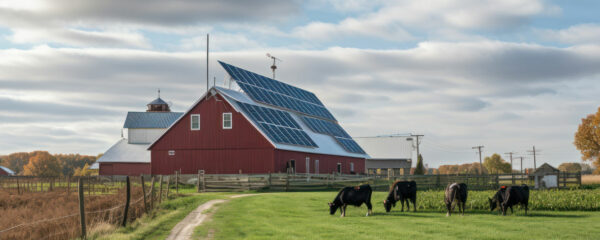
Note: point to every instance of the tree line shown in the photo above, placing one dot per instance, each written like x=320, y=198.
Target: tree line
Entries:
x=44, y=164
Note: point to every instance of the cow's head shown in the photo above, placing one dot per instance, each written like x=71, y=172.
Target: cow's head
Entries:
x=387, y=204
x=493, y=204
x=332, y=208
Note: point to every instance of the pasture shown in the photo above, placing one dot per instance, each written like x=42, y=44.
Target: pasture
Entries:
x=305, y=215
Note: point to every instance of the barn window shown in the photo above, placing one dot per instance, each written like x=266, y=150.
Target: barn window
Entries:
x=227, y=121
x=351, y=167
x=307, y=165
x=171, y=152
x=339, y=168
x=317, y=166
x=195, y=122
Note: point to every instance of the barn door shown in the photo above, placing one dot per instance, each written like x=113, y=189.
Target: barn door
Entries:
x=339, y=168
x=291, y=166
x=307, y=165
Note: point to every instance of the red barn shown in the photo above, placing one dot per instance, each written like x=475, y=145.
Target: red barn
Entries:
x=4, y=171
x=262, y=126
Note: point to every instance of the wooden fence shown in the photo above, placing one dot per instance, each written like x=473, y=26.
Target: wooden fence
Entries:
x=326, y=182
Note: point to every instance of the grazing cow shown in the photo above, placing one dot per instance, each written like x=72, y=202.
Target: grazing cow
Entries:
x=355, y=196
x=456, y=192
x=507, y=197
x=402, y=191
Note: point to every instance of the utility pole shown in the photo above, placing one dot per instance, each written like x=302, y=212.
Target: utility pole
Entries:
x=480, y=163
x=511, y=159
x=534, y=155
x=521, y=168
x=418, y=143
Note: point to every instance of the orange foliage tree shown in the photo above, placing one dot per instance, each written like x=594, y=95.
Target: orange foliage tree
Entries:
x=587, y=138
x=42, y=164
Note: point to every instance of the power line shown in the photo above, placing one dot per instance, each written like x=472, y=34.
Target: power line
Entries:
x=511, y=159
x=534, y=152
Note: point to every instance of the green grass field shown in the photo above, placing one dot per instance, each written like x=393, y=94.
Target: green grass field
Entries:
x=306, y=216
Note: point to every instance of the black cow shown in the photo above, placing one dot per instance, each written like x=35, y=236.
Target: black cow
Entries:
x=507, y=197
x=402, y=191
x=355, y=196
x=456, y=192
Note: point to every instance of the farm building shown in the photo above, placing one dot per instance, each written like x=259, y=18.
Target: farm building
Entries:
x=4, y=171
x=129, y=156
x=392, y=153
x=546, y=176
x=258, y=125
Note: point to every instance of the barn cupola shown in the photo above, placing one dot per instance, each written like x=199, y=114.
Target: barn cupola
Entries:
x=158, y=105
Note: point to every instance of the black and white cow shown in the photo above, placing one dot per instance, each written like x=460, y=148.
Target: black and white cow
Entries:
x=402, y=191
x=354, y=196
x=455, y=192
x=507, y=197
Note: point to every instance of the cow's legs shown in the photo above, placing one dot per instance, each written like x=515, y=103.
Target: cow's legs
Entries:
x=402, y=201
x=343, y=208
x=526, y=209
x=407, y=205
x=414, y=201
x=369, y=207
x=449, y=212
x=462, y=208
x=503, y=209
x=511, y=210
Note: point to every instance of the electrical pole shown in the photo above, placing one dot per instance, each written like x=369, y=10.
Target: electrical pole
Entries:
x=521, y=168
x=534, y=155
x=511, y=160
x=480, y=163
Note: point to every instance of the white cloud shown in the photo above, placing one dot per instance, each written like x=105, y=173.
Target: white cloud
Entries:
x=578, y=34
x=395, y=20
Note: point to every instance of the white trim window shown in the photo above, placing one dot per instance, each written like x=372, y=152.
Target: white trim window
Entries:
x=227, y=121
x=351, y=167
x=171, y=152
x=317, y=166
x=195, y=122
x=307, y=165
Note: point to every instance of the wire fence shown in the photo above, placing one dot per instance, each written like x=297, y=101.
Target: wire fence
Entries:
x=53, y=214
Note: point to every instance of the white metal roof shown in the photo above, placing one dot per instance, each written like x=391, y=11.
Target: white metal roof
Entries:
x=326, y=144
x=387, y=147
x=7, y=170
x=123, y=151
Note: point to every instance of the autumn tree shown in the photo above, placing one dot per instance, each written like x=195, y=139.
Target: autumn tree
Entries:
x=587, y=138
x=16, y=161
x=420, y=169
x=42, y=164
x=570, y=167
x=84, y=171
x=495, y=164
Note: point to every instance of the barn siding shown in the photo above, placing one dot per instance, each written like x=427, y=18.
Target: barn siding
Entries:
x=212, y=148
x=131, y=169
x=327, y=163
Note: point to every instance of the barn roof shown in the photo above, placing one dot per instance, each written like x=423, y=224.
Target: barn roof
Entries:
x=7, y=170
x=123, y=151
x=287, y=115
x=150, y=119
x=158, y=101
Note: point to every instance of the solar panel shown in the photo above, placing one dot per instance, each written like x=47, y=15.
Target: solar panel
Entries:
x=276, y=93
x=335, y=130
x=278, y=125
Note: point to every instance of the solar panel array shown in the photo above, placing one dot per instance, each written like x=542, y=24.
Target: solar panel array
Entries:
x=269, y=91
x=278, y=125
x=335, y=130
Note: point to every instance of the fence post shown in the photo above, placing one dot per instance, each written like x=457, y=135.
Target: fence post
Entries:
x=68, y=185
x=437, y=181
x=160, y=189
x=203, y=182
x=579, y=179
x=287, y=182
x=144, y=193
x=152, y=193
x=126, y=201
x=198, y=182
x=565, y=179
x=269, y=180
x=176, y=182
x=81, y=207
x=168, y=183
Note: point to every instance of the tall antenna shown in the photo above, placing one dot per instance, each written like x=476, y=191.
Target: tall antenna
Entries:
x=273, y=67
x=207, y=64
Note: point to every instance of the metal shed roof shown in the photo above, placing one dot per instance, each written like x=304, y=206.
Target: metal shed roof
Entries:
x=123, y=151
x=150, y=119
x=10, y=172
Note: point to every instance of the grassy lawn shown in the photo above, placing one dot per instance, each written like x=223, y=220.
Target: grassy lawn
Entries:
x=159, y=223
x=306, y=216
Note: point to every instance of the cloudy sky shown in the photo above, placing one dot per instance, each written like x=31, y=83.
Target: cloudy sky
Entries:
x=504, y=74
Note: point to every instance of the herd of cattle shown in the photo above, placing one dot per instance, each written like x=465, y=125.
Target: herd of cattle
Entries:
x=406, y=192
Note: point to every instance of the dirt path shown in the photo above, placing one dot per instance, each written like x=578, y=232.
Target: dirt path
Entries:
x=184, y=229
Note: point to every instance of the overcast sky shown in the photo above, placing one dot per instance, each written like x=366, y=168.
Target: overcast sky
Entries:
x=504, y=74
